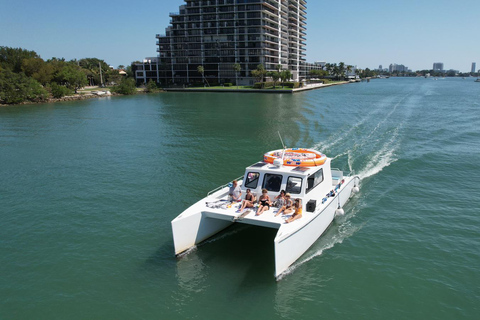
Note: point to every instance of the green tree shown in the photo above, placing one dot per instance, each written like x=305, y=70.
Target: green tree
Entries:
x=17, y=88
x=127, y=86
x=12, y=58
x=275, y=75
x=349, y=68
x=70, y=76
x=59, y=91
x=237, y=68
x=151, y=86
x=93, y=65
x=201, y=70
x=341, y=70
x=285, y=75
x=113, y=77
x=259, y=73
x=38, y=69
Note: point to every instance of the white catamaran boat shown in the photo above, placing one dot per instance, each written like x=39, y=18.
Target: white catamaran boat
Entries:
x=304, y=173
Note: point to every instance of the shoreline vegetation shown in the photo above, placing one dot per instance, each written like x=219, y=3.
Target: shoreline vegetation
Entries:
x=25, y=78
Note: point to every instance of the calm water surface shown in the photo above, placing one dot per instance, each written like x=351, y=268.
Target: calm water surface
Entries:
x=88, y=190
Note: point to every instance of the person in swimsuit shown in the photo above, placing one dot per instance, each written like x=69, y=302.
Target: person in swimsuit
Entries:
x=298, y=211
x=249, y=201
x=287, y=206
x=279, y=200
x=264, y=201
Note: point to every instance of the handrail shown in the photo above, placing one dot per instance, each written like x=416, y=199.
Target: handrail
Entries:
x=223, y=186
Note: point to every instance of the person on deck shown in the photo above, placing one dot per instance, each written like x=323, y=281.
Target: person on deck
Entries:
x=249, y=201
x=235, y=193
x=298, y=211
x=264, y=202
x=287, y=206
x=279, y=200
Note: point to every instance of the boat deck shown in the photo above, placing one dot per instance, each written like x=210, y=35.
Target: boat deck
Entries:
x=220, y=208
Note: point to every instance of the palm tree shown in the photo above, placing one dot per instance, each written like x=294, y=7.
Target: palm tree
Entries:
x=201, y=70
x=237, y=67
x=329, y=67
x=335, y=70
x=259, y=73
x=341, y=69
x=349, y=68
x=285, y=75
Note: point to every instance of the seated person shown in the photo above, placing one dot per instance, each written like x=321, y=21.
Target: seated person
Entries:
x=235, y=193
x=298, y=211
x=279, y=200
x=264, y=202
x=287, y=206
x=249, y=201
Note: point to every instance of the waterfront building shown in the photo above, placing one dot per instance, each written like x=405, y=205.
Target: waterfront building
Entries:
x=216, y=34
x=438, y=66
x=397, y=67
x=146, y=70
x=474, y=66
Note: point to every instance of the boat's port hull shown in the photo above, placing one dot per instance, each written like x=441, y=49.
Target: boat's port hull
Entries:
x=193, y=229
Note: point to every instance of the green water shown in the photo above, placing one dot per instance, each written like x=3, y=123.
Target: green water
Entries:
x=88, y=190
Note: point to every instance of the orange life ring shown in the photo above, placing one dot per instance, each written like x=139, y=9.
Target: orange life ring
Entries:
x=297, y=157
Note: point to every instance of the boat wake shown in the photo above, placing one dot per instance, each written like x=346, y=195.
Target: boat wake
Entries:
x=370, y=146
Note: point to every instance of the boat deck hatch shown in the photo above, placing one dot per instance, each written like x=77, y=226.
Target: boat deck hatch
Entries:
x=301, y=169
x=258, y=165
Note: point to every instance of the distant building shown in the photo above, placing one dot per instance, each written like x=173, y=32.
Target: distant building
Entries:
x=474, y=67
x=397, y=67
x=438, y=66
x=453, y=72
x=148, y=69
x=380, y=67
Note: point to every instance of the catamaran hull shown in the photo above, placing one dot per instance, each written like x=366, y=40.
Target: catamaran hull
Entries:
x=290, y=247
x=193, y=229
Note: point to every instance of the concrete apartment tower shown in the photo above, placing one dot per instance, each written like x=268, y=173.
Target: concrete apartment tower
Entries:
x=216, y=34
x=474, y=67
x=438, y=66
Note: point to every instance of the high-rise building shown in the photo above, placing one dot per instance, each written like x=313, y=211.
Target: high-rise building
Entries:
x=397, y=67
x=474, y=67
x=216, y=34
x=438, y=66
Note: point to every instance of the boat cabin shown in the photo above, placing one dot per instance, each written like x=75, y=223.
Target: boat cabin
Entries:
x=301, y=182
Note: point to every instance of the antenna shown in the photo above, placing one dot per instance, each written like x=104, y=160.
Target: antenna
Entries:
x=281, y=140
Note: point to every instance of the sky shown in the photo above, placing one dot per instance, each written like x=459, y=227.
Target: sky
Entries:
x=368, y=33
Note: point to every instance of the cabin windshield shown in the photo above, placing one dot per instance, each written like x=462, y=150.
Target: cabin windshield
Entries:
x=251, y=181
x=294, y=185
x=272, y=182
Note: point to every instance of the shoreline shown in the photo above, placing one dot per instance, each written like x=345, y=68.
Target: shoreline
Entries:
x=86, y=95
x=77, y=97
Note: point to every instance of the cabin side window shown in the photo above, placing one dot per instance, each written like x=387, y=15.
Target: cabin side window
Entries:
x=272, y=182
x=314, y=180
x=294, y=185
x=251, y=180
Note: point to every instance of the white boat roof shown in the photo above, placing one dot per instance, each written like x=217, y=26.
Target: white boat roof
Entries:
x=268, y=167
